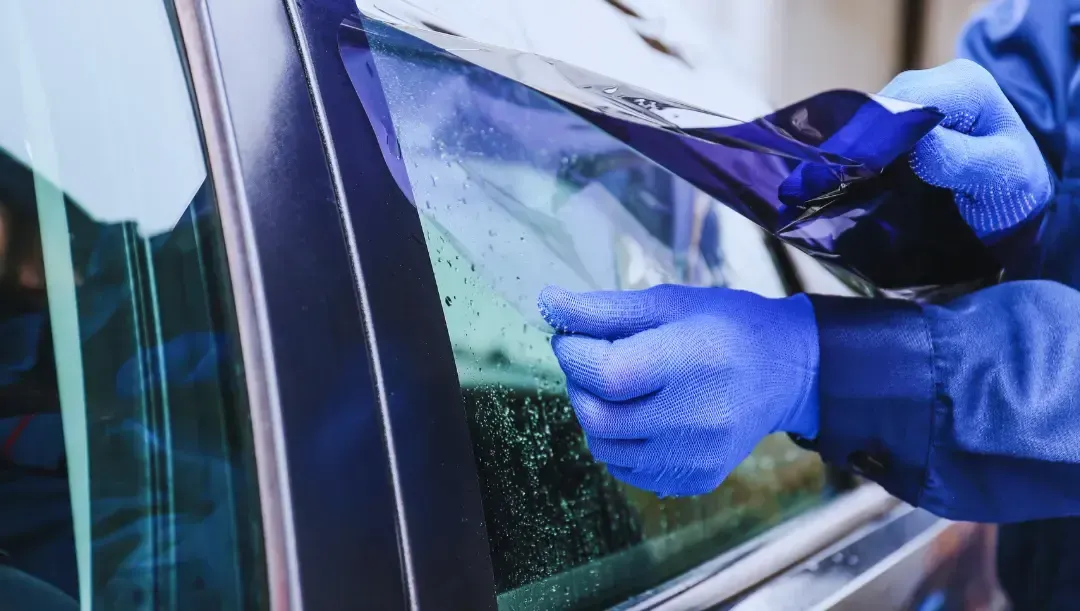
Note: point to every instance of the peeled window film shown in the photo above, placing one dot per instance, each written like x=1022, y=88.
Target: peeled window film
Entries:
x=827, y=175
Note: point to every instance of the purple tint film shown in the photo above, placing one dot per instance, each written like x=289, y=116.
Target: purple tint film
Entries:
x=827, y=175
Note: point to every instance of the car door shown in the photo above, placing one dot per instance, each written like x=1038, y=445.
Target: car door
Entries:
x=463, y=194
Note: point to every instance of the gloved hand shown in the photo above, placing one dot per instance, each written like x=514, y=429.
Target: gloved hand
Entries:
x=981, y=151
x=674, y=386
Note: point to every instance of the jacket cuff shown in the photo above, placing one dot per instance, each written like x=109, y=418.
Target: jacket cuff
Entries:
x=876, y=390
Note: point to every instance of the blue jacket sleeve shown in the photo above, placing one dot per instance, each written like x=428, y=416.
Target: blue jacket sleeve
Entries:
x=970, y=410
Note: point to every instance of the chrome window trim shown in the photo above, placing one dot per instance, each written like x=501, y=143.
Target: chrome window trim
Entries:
x=212, y=109
x=769, y=555
x=845, y=567
x=917, y=543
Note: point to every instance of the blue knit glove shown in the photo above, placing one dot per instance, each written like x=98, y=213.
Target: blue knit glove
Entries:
x=981, y=151
x=674, y=386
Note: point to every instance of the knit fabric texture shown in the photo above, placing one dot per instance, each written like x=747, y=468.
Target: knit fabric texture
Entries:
x=981, y=151
x=674, y=386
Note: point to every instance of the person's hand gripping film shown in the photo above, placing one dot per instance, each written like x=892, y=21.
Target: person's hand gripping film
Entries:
x=981, y=151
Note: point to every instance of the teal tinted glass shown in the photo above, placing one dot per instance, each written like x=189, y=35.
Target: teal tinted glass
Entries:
x=125, y=452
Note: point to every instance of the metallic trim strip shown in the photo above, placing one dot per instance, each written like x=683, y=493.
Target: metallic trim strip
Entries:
x=788, y=545
x=919, y=543
x=829, y=571
x=363, y=301
x=252, y=320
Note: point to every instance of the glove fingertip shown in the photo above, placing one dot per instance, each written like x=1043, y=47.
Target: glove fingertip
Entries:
x=603, y=315
x=552, y=305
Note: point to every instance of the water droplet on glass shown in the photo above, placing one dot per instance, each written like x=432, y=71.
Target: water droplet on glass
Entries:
x=448, y=301
x=611, y=90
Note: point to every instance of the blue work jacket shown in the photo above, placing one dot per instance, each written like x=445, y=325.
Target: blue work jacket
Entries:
x=972, y=409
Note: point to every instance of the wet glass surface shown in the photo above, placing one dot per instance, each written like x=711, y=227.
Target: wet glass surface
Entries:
x=516, y=192
x=125, y=453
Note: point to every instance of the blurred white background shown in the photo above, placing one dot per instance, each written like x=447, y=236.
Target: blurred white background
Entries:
x=794, y=48
x=736, y=56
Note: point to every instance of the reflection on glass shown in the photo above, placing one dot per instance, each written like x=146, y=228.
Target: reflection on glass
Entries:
x=124, y=438
x=516, y=192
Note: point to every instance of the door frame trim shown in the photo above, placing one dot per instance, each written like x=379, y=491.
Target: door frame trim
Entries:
x=253, y=323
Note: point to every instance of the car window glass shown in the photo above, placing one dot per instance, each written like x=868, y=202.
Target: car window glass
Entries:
x=125, y=447
x=515, y=192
